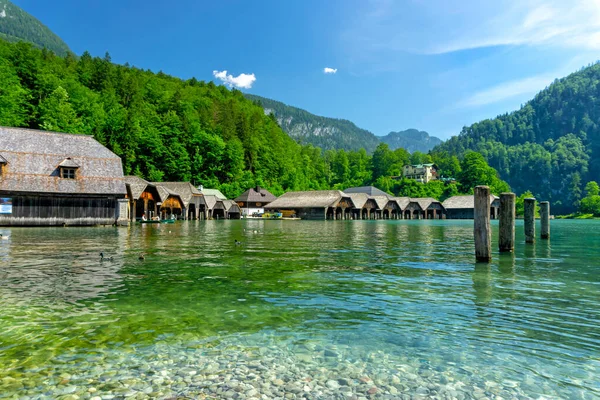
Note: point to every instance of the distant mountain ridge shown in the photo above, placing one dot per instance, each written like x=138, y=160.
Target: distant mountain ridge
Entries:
x=412, y=140
x=332, y=133
x=326, y=133
x=17, y=25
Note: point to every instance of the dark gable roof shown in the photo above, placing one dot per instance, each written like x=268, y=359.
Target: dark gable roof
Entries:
x=370, y=190
x=256, y=195
x=33, y=158
x=136, y=185
x=68, y=163
x=463, y=202
x=185, y=190
x=308, y=199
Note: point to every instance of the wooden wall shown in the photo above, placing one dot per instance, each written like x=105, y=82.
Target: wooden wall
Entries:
x=311, y=213
x=46, y=210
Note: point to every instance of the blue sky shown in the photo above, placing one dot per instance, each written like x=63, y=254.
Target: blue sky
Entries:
x=435, y=65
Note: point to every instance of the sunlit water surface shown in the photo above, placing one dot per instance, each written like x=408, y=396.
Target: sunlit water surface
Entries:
x=337, y=309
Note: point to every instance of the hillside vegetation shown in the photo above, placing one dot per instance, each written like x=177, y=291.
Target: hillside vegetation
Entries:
x=165, y=128
x=323, y=132
x=551, y=145
x=17, y=25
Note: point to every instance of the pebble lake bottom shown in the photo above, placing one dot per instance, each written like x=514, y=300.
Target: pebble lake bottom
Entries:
x=301, y=309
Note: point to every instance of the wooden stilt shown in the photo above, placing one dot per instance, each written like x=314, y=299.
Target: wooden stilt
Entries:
x=482, y=231
x=507, y=222
x=545, y=217
x=529, y=216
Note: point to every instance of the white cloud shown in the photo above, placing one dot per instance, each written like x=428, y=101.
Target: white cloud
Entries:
x=439, y=26
x=244, y=81
x=328, y=70
x=506, y=90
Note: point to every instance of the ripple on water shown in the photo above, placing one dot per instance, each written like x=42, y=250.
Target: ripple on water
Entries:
x=322, y=309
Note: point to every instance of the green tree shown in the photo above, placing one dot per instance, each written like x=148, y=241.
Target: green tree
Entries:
x=57, y=114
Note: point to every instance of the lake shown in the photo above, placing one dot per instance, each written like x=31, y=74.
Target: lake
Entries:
x=301, y=309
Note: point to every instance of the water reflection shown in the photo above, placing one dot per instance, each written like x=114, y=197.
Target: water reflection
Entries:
x=482, y=284
x=406, y=293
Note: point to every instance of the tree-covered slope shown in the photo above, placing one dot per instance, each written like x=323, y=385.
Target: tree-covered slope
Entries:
x=412, y=140
x=551, y=145
x=17, y=25
x=323, y=132
x=162, y=127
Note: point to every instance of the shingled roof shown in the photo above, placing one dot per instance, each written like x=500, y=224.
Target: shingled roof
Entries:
x=462, y=202
x=424, y=202
x=33, y=158
x=256, y=195
x=231, y=206
x=136, y=185
x=212, y=192
x=210, y=201
x=359, y=199
x=370, y=190
x=403, y=202
x=185, y=190
x=381, y=201
x=309, y=199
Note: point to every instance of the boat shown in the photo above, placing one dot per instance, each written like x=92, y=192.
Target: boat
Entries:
x=157, y=221
x=275, y=215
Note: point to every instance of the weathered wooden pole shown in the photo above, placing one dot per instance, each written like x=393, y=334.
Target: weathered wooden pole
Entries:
x=545, y=217
x=506, y=242
x=482, y=231
x=529, y=216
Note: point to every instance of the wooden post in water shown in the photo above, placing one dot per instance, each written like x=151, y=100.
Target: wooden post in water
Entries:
x=529, y=215
x=506, y=241
x=545, y=217
x=482, y=231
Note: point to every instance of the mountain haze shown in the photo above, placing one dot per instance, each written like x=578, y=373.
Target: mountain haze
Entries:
x=323, y=132
x=17, y=25
x=550, y=146
x=412, y=140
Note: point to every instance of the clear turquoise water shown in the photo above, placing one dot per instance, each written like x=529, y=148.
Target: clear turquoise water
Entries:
x=398, y=303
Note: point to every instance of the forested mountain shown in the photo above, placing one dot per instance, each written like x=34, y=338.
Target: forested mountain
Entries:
x=323, y=132
x=551, y=145
x=165, y=128
x=16, y=25
x=412, y=140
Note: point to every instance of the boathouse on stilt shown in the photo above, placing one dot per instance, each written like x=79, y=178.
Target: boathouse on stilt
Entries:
x=432, y=209
x=232, y=209
x=463, y=207
x=193, y=201
x=171, y=204
x=143, y=198
x=317, y=204
x=364, y=206
x=49, y=178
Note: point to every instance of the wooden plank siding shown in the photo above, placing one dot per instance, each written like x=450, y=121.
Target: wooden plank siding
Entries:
x=59, y=210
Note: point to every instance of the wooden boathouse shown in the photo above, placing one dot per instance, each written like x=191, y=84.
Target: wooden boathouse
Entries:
x=431, y=208
x=316, y=205
x=49, y=178
x=171, y=204
x=143, y=198
x=253, y=201
x=194, y=206
x=364, y=206
x=463, y=207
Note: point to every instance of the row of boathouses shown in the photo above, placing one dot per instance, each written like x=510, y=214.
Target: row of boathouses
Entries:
x=49, y=178
x=372, y=203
